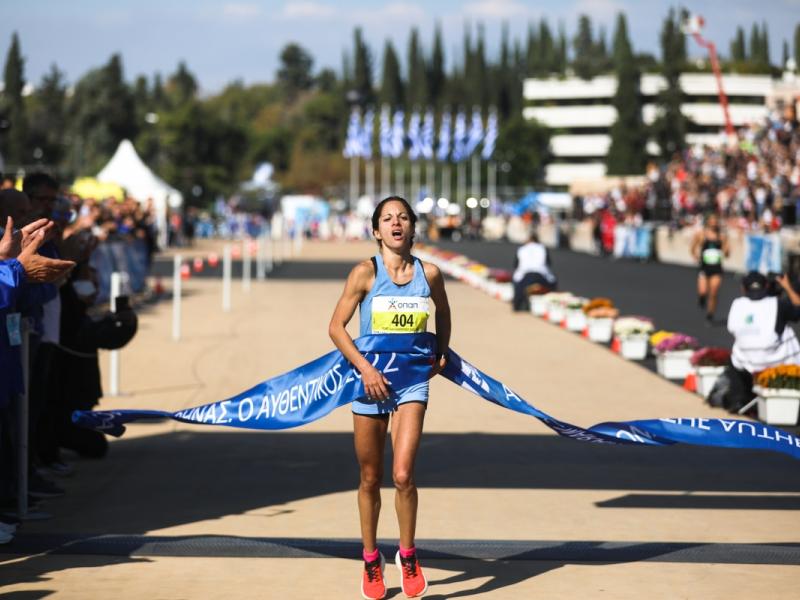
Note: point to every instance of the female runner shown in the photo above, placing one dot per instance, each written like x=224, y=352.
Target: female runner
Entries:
x=709, y=247
x=374, y=286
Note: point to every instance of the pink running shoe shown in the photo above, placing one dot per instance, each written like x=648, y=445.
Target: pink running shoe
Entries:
x=372, y=584
x=414, y=582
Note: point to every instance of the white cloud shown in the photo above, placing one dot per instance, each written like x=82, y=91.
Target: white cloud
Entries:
x=307, y=10
x=497, y=9
x=241, y=10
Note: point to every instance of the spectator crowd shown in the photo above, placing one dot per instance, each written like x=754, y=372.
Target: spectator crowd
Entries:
x=48, y=292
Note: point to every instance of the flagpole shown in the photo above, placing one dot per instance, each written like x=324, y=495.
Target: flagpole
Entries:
x=476, y=176
x=353, y=182
x=491, y=181
x=370, y=179
x=400, y=179
x=429, y=179
x=414, y=182
x=385, y=176
x=461, y=185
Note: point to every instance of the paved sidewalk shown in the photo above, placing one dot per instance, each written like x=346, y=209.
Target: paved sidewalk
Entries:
x=507, y=509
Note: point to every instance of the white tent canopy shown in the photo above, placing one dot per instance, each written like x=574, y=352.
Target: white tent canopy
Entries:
x=128, y=171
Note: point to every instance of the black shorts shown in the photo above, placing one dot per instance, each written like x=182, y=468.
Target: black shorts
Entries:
x=709, y=270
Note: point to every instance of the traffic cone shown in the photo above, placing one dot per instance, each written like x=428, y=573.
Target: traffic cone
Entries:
x=198, y=265
x=563, y=324
x=616, y=345
x=690, y=383
x=213, y=259
x=158, y=288
x=186, y=272
x=585, y=333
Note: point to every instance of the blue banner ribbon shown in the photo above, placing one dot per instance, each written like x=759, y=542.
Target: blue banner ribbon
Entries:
x=313, y=390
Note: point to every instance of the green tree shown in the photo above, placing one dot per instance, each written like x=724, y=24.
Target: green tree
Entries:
x=533, y=63
x=182, y=85
x=756, y=49
x=626, y=155
x=583, y=44
x=103, y=114
x=436, y=73
x=560, y=51
x=797, y=46
x=48, y=116
x=416, y=90
x=480, y=77
x=362, y=71
x=738, y=47
x=525, y=147
x=671, y=125
x=15, y=148
x=503, y=76
x=392, y=92
x=294, y=73
x=765, y=59
x=547, y=49
x=785, y=54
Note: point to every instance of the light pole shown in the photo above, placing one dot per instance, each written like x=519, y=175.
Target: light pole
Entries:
x=692, y=25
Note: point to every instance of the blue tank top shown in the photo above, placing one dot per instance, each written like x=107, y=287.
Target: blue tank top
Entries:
x=392, y=308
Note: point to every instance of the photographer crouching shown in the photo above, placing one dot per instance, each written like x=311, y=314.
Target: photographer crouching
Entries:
x=759, y=322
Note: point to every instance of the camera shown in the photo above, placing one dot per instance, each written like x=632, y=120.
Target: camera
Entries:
x=122, y=303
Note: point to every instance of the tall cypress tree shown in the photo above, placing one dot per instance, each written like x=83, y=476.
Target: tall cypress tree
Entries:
x=362, y=70
x=16, y=139
x=560, y=53
x=797, y=46
x=755, y=44
x=392, y=92
x=738, y=48
x=533, y=60
x=765, y=60
x=671, y=125
x=416, y=91
x=48, y=114
x=626, y=155
x=785, y=54
x=585, y=49
x=481, y=81
x=502, y=78
x=547, y=50
x=436, y=74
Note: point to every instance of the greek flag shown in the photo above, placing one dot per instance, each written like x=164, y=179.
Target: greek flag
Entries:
x=386, y=132
x=443, y=151
x=352, y=144
x=460, y=138
x=366, y=134
x=427, y=136
x=475, y=132
x=398, y=135
x=415, y=148
x=491, y=136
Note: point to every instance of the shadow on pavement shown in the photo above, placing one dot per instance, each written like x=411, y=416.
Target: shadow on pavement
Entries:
x=160, y=481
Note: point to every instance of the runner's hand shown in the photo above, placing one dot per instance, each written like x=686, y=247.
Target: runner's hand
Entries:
x=438, y=365
x=376, y=386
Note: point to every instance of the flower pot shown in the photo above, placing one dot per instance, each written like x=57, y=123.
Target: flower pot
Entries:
x=633, y=347
x=778, y=406
x=556, y=312
x=706, y=378
x=538, y=305
x=674, y=364
x=575, y=319
x=600, y=329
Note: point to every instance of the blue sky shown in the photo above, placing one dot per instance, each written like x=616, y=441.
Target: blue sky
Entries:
x=222, y=41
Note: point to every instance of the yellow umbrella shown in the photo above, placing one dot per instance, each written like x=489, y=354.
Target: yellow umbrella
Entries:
x=89, y=187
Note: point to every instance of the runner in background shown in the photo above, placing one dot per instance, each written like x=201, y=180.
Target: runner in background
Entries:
x=709, y=247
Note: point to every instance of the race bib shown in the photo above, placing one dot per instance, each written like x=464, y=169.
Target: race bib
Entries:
x=399, y=314
x=712, y=256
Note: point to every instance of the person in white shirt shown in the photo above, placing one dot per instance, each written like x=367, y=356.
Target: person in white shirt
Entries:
x=531, y=268
x=759, y=321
